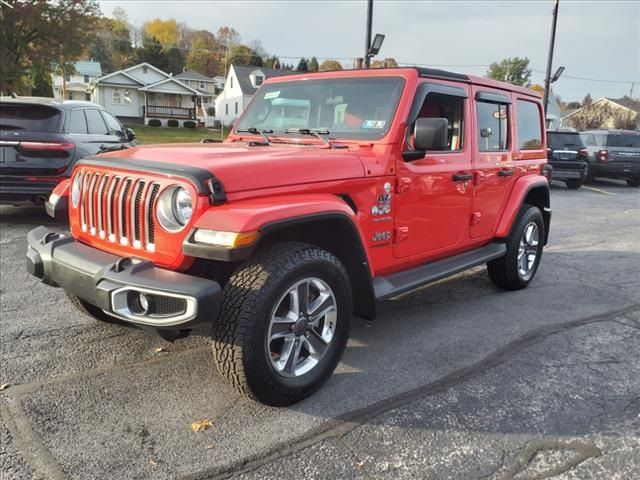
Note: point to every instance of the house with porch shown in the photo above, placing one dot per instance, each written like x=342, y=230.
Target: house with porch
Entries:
x=241, y=83
x=76, y=85
x=144, y=92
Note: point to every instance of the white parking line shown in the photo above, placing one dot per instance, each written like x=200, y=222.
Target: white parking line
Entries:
x=598, y=190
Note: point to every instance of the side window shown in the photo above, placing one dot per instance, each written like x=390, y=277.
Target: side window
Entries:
x=438, y=105
x=77, y=122
x=114, y=126
x=493, y=127
x=95, y=122
x=528, y=126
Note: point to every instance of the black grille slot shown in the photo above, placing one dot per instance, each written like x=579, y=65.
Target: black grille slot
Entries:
x=136, y=212
x=151, y=219
x=123, y=209
x=162, y=306
x=113, y=204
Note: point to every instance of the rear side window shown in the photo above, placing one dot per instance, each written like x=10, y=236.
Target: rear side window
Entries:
x=529, y=126
x=493, y=126
x=77, y=122
x=96, y=123
x=564, y=140
x=628, y=141
x=31, y=118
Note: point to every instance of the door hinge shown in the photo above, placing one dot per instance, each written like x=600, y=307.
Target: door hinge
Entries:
x=401, y=234
x=403, y=184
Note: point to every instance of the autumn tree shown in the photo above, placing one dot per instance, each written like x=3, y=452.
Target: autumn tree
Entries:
x=314, y=66
x=511, y=70
x=587, y=100
x=573, y=105
x=42, y=34
x=386, y=63
x=330, y=65
x=624, y=120
x=165, y=32
x=243, y=55
x=227, y=36
x=205, y=54
x=592, y=116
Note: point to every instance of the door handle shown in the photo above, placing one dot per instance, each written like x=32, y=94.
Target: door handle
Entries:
x=462, y=177
x=505, y=173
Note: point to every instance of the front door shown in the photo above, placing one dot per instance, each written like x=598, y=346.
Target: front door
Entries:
x=494, y=168
x=434, y=193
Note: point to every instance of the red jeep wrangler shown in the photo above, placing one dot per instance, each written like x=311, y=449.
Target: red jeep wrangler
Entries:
x=333, y=191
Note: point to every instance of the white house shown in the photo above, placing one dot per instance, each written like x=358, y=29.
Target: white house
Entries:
x=241, y=83
x=144, y=92
x=77, y=86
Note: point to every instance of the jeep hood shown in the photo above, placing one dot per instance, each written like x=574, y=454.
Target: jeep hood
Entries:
x=241, y=167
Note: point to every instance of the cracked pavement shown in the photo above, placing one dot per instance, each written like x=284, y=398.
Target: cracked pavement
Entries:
x=456, y=380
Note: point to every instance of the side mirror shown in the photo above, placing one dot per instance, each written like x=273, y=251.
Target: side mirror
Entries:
x=485, y=132
x=429, y=134
x=131, y=135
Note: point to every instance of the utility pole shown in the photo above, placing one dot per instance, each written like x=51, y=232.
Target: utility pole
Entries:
x=552, y=42
x=367, y=57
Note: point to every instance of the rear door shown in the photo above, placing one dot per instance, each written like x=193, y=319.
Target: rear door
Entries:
x=103, y=136
x=493, y=158
x=32, y=141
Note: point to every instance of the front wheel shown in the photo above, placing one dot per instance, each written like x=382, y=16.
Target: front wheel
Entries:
x=573, y=184
x=633, y=182
x=524, y=248
x=284, y=323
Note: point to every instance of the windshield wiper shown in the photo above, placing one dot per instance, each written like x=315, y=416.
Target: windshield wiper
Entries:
x=262, y=133
x=319, y=134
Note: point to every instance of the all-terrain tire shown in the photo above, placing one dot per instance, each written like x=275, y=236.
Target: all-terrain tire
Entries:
x=90, y=310
x=249, y=300
x=633, y=182
x=573, y=184
x=504, y=271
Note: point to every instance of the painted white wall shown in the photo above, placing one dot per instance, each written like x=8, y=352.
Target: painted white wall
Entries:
x=103, y=95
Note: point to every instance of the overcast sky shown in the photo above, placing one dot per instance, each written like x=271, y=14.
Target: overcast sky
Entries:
x=596, y=40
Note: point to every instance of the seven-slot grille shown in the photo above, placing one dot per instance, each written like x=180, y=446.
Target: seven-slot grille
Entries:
x=119, y=208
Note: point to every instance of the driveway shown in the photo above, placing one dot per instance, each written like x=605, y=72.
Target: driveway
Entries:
x=456, y=380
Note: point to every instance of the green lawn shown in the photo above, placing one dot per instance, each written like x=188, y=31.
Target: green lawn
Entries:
x=145, y=134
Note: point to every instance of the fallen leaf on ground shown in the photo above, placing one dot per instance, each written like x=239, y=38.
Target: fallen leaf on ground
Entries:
x=4, y=386
x=200, y=425
x=153, y=462
x=209, y=447
x=160, y=349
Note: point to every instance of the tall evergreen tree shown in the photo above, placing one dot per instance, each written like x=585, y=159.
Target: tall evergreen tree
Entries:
x=314, y=66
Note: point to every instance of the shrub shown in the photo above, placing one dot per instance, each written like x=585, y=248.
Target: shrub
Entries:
x=211, y=111
x=189, y=124
x=154, y=122
x=173, y=123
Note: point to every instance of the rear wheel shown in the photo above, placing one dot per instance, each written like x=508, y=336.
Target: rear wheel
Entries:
x=518, y=266
x=573, y=184
x=633, y=182
x=284, y=323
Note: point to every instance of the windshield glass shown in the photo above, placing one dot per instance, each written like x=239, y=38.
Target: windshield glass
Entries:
x=349, y=108
x=562, y=140
x=32, y=118
x=624, y=140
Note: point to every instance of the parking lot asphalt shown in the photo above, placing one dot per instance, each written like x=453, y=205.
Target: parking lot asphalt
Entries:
x=456, y=380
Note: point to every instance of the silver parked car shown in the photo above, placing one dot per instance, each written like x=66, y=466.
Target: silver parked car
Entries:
x=613, y=154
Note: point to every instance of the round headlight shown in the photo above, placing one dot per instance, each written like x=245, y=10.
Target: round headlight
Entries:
x=182, y=205
x=76, y=189
x=175, y=207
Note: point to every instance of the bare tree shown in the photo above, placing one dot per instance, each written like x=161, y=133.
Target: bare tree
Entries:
x=625, y=120
x=592, y=116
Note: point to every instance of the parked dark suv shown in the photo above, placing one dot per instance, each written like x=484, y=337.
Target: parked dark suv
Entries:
x=614, y=154
x=567, y=155
x=41, y=139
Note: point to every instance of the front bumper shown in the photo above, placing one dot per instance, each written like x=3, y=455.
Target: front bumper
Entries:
x=177, y=301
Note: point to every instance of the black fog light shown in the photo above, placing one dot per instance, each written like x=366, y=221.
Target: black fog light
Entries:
x=138, y=303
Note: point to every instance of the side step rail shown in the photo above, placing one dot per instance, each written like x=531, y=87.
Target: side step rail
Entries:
x=397, y=283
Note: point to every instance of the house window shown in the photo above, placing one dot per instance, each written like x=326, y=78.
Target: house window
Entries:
x=205, y=99
x=226, y=109
x=259, y=80
x=529, y=130
x=86, y=79
x=121, y=95
x=87, y=97
x=145, y=69
x=236, y=108
x=493, y=126
x=67, y=77
x=202, y=86
x=231, y=80
x=70, y=95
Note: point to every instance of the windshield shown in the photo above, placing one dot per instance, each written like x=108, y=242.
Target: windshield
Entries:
x=32, y=118
x=562, y=140
x=349, y=108
x=625, y=140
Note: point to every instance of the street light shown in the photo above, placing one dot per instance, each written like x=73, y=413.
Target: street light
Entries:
x=552, y=42
x=371, y=49
x=556, y=75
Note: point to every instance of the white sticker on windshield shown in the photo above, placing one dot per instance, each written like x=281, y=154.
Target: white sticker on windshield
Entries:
x=270, y=95
x=374, y=124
